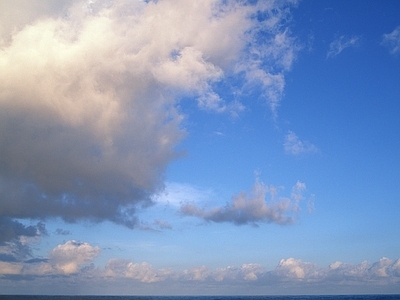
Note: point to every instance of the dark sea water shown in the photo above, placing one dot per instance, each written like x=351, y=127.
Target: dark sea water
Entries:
x=324, y=297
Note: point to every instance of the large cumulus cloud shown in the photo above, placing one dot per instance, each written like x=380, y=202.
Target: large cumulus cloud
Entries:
x=89, y=94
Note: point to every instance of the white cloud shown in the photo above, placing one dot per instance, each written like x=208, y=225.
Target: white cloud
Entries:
x=68, y=257
x=252, y=209
x=90, y=90
x=381, y=268
x=196, y=274
x=290, y=274
x=294, y=268
x=7, y=268
x=247, y=272
x=294, y=146
x=392, y=40
x=250, y=272
x=341, y=43
x=143, y=272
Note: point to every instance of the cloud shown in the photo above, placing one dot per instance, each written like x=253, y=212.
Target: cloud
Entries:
x=142, y=272
x=72, y=260
x=294, y=269
x=90, y=92
x=341, y=43
x=67, y=258
x=247, y=272
x=13, y=230
x=392, y=40
x=254, y=208
x=61, y=231
x=16, y=239
x=294, y=146
x=196, y=274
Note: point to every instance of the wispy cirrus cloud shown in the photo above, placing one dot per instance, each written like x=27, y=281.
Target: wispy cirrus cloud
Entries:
x=341, y=43
x=392, y=41
x=294, y=146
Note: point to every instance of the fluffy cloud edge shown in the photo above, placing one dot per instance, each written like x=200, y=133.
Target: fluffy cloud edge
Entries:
x=73, y=260
x=262, y=205
x=96, y=114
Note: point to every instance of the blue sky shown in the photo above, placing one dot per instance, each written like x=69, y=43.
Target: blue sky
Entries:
x=208, y=147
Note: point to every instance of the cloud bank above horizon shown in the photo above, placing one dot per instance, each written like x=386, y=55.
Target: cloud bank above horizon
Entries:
x=75, y=258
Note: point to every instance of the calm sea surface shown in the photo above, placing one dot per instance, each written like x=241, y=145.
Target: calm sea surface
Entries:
x=336, y=297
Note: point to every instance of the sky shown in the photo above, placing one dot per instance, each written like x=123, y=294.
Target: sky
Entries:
x=207, y=147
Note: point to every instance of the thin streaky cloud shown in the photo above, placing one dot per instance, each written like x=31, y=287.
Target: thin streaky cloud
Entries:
x=341, y=43
x=392, y=41
x=294, y=146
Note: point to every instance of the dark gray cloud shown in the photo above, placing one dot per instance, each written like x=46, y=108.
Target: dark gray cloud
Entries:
x=13, y=237
x=61, y=231
x=11, y=230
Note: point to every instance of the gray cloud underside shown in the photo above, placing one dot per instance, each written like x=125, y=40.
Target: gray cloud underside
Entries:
x=261, y=206
x=89, y=94
x=12, y=230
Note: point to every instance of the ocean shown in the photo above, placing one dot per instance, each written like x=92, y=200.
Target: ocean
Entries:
x=314, y=297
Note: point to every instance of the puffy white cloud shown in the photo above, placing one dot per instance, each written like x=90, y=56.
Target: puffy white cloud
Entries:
x=143, y=272
x=392, y=40
x=341, y=43
x=90, y=90
x=247, y=272
x=381, y=268
x=294, y=268
x=294, y=146
x=253, y=208
x=396, y=268
x=9, y=268
x=196, y=274
x=68, y=257
x=65, y=259
x=294, y=274
x=250, y=272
